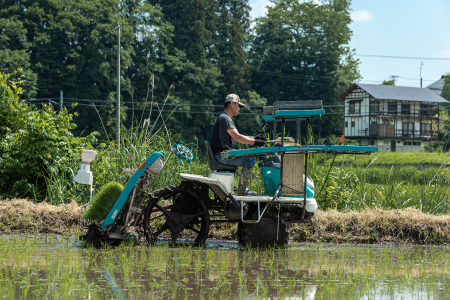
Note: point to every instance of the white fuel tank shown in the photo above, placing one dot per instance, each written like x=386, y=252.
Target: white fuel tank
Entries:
x=227, y=179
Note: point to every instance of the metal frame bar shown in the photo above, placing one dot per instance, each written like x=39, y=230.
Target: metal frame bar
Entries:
x=84, y=207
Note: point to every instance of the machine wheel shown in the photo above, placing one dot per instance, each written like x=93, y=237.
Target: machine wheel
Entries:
x=178, y=210
x=94, y=237
x=264, y=233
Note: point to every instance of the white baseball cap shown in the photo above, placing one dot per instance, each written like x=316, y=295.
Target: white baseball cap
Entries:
x=234, y=98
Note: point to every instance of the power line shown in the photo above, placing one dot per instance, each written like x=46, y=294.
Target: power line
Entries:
x=217, y=41
x=401, y=57
x=156, y=104
x=240, y=113
x=179, y=111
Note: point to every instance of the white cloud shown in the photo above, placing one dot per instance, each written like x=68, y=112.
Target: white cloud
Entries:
x=361, y=16
x=259, y=8
x=444, y=54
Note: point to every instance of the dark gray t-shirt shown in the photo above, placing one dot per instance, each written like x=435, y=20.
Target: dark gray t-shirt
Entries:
x=221, y=140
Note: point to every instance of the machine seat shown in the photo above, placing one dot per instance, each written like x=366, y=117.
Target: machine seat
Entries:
x=214, y=165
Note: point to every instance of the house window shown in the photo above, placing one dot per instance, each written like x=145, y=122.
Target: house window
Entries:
x=407, y=129
x=353, y=123
x=425, y=128
x=406, y=109
x=354, y=107
x=411, y=143
x=392, y=108
x=426, y=110
x=351, y=108
x=346, y=124
x=374, y=106
x=372, y=142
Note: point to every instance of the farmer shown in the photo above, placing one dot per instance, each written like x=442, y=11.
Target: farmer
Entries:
x=223, y=135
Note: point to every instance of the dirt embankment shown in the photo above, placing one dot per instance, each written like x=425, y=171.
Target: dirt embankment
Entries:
x=368, y=226
x=18, y=215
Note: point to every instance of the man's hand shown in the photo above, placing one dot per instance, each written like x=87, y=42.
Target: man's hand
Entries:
x=259, y=143
x=260, y=137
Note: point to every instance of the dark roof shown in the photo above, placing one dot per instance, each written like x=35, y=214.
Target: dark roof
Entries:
x=392, y=92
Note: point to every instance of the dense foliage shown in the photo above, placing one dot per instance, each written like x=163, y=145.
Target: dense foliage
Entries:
x=39, y=157
x=33, y=143
x=300, y=52
x=190, y=53
x=443, y=143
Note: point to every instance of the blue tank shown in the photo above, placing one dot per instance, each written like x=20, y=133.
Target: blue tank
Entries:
x=270, y=173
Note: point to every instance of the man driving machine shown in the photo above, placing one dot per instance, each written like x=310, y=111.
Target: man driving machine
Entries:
x=223, y=136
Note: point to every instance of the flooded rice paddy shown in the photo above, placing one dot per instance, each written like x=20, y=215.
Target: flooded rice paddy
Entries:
x=52, y=267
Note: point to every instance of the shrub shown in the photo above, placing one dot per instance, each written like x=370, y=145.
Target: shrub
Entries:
x=31, y=141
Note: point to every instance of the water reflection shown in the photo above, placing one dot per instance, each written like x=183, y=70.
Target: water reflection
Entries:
x=32, y=269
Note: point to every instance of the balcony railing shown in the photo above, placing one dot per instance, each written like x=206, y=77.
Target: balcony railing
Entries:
x=389, y=131
x=404, y=113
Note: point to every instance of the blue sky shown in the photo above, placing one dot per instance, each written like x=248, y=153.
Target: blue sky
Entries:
x=406, y=28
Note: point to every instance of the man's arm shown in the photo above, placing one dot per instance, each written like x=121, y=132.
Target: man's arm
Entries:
x=240, y=138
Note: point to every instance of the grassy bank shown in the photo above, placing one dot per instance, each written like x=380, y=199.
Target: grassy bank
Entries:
x=368, y=226
x=396, y=158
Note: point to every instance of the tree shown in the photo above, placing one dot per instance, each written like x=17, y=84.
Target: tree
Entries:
x=14, y=55
x=232, y=37
x=250, y=125
x=33, y=141
x=300, y=52
x=73, y=49
x=443, y=144
x=190, y=65
x=445, y=93
x=387, y=82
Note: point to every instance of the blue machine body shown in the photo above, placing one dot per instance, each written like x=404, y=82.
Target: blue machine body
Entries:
x=271, y=180
x=294, y=114
x=114, y=212
x=331, y=149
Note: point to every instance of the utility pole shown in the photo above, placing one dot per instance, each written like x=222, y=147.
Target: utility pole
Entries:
x=421, y=64
x=118, y=88
x=61, y=100
x=394, y=78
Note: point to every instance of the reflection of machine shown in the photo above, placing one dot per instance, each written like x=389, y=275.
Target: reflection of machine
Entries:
x=186, y=211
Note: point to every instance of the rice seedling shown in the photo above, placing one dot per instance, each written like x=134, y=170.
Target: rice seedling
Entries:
x=103, y=201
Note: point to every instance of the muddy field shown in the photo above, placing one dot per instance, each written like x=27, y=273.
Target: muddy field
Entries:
x=368, y=226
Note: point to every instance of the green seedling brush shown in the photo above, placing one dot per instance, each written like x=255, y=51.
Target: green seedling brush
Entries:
x=103, y=201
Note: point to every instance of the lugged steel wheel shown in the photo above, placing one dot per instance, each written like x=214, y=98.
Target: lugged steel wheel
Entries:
x=178, y=210
x=94, y=237
x=264, y=233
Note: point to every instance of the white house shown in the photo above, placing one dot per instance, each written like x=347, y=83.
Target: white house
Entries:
x=394, y=118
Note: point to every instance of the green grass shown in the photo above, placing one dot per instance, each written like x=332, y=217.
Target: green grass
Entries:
x=347, y=188
x=358, y=188
x=396, y=158
x=136, y=145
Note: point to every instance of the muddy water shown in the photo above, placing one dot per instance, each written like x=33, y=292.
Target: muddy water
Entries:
x=53, y=268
